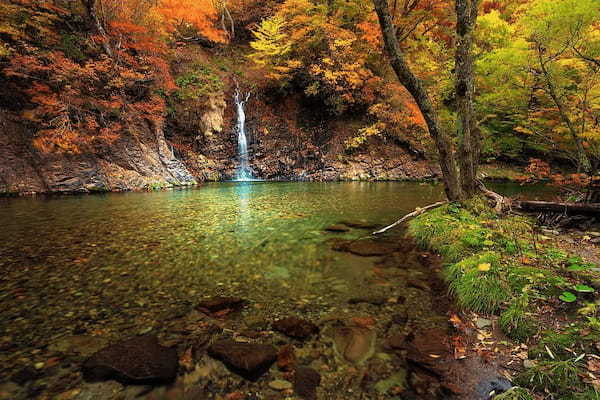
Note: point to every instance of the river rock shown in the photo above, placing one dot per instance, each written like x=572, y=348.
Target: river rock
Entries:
x=396, y=341
x=337, y=228
x=280, y=384
x=84, y=345
x=218, y=304
x=140, y=360
x=295, y=327
x=25, y=375
x=306, y=381
x=364, y=248
x=286, y=358
x=354, y=344
x=249, y=360
x=490, y=387
x=426, y=348
x=374, y=300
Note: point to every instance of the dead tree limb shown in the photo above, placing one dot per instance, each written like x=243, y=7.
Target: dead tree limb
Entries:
x=568, y=208
x=413, y=214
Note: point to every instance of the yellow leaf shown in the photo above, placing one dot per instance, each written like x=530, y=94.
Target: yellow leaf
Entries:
x=484, y=267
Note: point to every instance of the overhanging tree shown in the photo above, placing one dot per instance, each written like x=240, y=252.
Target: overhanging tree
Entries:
x=460, y=183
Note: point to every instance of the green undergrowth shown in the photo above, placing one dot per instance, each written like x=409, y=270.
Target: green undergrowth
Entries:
x=543, y=296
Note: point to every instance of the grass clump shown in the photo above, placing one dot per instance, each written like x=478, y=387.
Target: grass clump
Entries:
x=453, y=231
x=515, y=393
x=556, y=376
x=516, y=322
x=476, y=282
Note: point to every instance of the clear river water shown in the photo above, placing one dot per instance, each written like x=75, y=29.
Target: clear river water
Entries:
x=115, y=265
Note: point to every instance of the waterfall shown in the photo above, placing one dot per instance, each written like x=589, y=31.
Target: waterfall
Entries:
x=244, y=172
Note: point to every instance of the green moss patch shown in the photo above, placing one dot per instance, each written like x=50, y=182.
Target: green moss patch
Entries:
x=505, y=267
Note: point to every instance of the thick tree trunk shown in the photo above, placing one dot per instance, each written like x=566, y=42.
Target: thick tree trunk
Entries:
x=416, y=89
x=466, y=16
x=90, y=7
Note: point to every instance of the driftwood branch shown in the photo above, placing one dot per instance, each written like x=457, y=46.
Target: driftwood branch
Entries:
x=413, y=214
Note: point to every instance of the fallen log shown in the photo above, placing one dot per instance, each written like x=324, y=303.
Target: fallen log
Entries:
x=566, y=208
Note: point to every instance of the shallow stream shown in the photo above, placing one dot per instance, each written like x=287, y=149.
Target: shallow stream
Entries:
x=114, y=266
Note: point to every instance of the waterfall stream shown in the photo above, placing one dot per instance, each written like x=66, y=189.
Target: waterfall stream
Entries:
x=244, y=172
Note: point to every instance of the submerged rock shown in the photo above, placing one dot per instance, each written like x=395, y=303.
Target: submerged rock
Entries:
x=286, y=358
x=354, y=344
x=219, y=304
x=306, y=381
x=396, y=341
x=140, y=360
x=280, y=384
x=337, y=228
x=249, y=360
x=374, y=300
x=82, y=344
x=295, y=327
x=364, y=248
x=426, y=349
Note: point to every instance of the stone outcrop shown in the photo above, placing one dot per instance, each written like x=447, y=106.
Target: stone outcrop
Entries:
x=139, y=160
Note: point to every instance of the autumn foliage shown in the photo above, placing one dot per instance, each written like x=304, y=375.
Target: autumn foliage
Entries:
x=79, y=98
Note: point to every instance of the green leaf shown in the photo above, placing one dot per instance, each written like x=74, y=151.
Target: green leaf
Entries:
x=584, y=289
x=567, y=297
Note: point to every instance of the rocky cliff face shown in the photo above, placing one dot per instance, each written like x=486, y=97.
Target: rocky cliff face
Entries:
x=140, y=160
x=283, y=147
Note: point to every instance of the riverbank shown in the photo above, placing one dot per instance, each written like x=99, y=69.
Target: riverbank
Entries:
x=531, y=300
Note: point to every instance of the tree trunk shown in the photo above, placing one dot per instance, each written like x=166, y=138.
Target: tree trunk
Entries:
x=466, y=16
x=582, y=159
x=418, y=92
x=90, y=7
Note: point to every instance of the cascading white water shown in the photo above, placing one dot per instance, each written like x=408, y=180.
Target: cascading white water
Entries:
x=244, y=172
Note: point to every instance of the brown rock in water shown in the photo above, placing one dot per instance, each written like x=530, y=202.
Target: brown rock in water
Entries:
x=295, y=327
x=364, y=248
x=218, y=304
x=306, y=381
x=427, y=349
x=337, y=228
x=374, y=300
x=286, y=358
x=354, y=344
x=249, y=360
x=139, y=360
x=396, y=341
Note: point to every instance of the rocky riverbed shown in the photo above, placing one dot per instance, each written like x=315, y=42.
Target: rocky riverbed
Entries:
x=392, y=339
